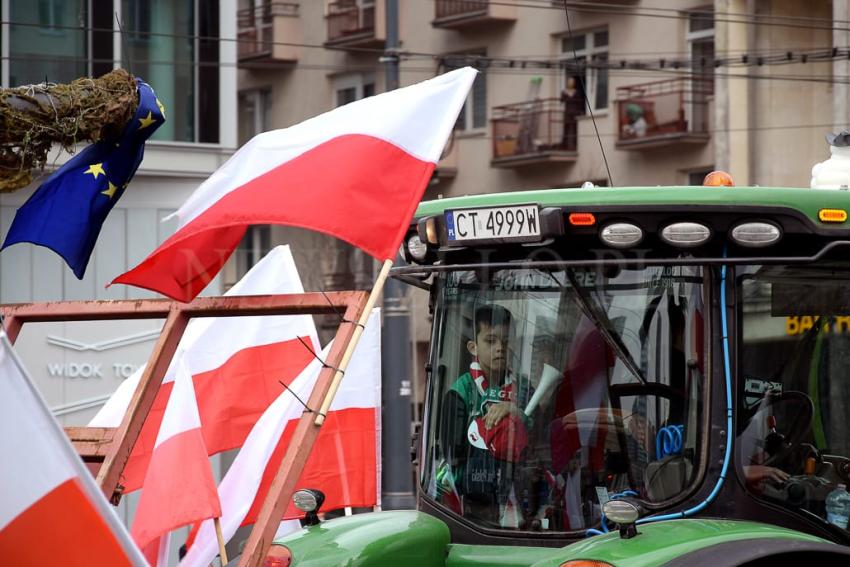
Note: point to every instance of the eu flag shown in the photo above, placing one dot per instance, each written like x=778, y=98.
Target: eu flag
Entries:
x=66, y=213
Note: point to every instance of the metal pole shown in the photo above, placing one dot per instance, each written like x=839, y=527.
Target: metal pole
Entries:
x=396, y=482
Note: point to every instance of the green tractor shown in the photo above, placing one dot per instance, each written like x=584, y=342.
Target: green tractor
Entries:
x=621, y=377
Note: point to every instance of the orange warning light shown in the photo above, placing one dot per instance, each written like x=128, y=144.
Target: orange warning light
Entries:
x=718, y=179
x=582, y=219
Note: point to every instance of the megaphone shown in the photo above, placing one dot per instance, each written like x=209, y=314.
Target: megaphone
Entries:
x=549, y=378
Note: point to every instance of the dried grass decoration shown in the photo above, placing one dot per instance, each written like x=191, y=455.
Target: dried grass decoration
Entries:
x=34, y=117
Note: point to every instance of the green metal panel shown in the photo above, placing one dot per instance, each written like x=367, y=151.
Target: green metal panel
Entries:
x=807, y=201
x=414, y=539
x=405, y=538
x=656, y=544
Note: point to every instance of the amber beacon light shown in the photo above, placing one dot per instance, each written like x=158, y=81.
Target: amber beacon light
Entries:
x=718, y=179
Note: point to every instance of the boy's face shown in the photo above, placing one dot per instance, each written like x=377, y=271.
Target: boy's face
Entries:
x=491, y=348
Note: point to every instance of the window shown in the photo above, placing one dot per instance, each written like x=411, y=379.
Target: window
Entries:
x=473, y=114
x=591, y=366
x=348, y=88
x=695, y=178
x=701, y=43
x=254, y=246
x=50, y=42
x=50, y=13
x=579, y=55
x=793, y=442
x=254, y=113
x=171, y=44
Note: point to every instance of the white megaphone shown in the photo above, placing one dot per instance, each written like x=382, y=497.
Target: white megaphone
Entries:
x=549, y=378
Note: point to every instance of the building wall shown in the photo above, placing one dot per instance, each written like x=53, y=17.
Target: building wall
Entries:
x=765, y=130
x=78, y=365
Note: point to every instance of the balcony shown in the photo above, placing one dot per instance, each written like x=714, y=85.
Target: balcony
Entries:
x=262, y=31
x=532, y=133
x=661, y=113
x=356, y=23
x=455, y=14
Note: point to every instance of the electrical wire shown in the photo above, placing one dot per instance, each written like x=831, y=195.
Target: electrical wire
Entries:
x=757, y=57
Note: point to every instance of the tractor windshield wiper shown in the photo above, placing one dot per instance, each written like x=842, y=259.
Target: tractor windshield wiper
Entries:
x=603, y=323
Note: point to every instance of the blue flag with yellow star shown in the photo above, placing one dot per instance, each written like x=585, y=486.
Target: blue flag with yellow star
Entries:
x=66, y=213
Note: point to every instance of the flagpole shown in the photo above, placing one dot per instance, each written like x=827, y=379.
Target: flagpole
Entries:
x=355, y=338
x=220, y=537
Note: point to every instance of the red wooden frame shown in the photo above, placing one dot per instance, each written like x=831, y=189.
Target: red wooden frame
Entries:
x=106, y=450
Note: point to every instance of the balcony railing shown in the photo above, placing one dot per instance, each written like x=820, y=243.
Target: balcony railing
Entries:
x=452, y=8
x=463, y=13
x=661, y=112
x=353, y=23
x=263, y=28
x=534, y=131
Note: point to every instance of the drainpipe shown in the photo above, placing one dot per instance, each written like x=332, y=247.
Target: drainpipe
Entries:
x=840, y=66
x=396, y=473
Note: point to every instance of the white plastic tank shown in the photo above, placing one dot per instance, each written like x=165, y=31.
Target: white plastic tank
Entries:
x=834, y=173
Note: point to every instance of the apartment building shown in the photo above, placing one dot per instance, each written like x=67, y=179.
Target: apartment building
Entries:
x=173, y=45
x=673, y=88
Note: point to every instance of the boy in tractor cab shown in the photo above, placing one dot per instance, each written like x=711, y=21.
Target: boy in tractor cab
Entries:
x=484, y=427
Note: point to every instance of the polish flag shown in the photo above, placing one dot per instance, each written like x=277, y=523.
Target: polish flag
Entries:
x=52, y=512
x=179, y=487
x=344, y=463
x=236, y=363
x=356, y=173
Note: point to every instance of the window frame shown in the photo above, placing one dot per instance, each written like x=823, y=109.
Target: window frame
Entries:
x=432, y=411
x=466, y=117
x=592, y=75
x=260, y=100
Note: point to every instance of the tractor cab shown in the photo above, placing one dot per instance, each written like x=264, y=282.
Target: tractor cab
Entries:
x=629, y=376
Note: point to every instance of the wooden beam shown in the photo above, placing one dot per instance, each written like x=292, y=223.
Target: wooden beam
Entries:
x=91, y=443
x=131, y=426
x=299, y=447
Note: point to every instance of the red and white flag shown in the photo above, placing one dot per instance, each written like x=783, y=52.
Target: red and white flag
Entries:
x=52, y=511
x=236, y=363
x=356, y=173
x=344, y=463
x=179, y=487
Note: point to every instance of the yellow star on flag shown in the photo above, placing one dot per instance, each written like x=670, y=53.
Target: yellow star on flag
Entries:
x=110, y=192
x=161, y=108
x=147, y=121
x=95, y=169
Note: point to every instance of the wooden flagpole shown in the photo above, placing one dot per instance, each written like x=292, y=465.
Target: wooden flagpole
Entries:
x=355, y=338
x=218, y=535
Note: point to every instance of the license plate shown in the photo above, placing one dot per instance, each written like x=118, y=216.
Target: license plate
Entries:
x=518, y=223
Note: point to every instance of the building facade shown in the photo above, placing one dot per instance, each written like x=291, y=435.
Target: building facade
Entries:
x=669, y=91
x=186, y=50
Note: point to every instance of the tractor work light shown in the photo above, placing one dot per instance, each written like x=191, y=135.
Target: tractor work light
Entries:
x=686, y=234
x=832, y=215
x=416, y=248
x=309, y=500
x=430, y=230
x=621, y=235
x=756, y=234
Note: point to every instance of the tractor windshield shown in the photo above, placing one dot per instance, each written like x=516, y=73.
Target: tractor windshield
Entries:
x=794, y=391
x=553, y=391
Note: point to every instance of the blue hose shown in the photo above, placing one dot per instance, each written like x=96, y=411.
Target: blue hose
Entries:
x=668, y=441
x=727, y=367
